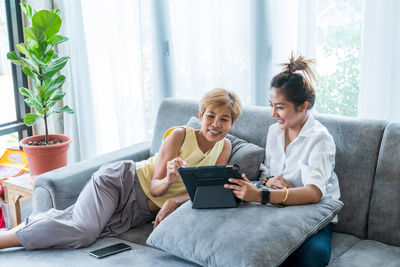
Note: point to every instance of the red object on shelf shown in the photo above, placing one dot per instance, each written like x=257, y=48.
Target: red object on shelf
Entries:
x=12, y=163
x=2, y=222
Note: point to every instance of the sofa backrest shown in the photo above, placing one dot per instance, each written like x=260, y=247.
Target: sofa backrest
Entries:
x=357, y=149
x=172, y=112
x=384, y=216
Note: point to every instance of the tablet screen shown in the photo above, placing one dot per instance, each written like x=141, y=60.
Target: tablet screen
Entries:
x=211, y=177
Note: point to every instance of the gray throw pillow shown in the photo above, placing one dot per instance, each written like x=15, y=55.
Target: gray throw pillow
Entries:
x=250, y=235
x=249, y=156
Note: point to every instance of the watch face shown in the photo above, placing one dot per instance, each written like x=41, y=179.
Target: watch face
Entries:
x=265, y=196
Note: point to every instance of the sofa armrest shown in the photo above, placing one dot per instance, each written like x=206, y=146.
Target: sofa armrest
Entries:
x=61, y=187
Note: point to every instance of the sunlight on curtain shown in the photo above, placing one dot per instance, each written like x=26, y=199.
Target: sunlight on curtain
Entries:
x=380, y=86
x=285, y=30
x=80, y=126
x=110, y=77
x=293, y=28
x=211, y=45
x=120, y=61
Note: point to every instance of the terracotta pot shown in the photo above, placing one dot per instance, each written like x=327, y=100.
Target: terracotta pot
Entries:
x=42, y=159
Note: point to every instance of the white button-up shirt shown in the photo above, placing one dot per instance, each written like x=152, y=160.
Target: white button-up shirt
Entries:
x=309, y=158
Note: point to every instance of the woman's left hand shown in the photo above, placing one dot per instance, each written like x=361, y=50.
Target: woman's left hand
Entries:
x=244, y=189
x=167, y=208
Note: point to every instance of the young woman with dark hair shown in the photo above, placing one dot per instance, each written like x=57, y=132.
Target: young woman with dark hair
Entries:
x=300, y=157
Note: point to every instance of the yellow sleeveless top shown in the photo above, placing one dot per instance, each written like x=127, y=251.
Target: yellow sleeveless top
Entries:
x=189, y=152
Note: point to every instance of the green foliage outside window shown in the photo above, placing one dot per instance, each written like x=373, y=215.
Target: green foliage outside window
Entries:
x=337, y=92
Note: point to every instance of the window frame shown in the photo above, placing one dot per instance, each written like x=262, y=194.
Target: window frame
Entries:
x=16, y=36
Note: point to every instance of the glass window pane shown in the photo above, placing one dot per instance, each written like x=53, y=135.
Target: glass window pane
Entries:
x=7, y=103
x=338, y=53
x=8, y=141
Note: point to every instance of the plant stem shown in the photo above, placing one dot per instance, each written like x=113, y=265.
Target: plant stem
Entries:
x=46, y=131
x=46, y=139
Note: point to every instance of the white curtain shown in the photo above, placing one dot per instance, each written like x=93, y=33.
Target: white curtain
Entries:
x=293, y=28
x=110, y=74
x=379, y=96
x=81, y=126
x=127, y=55
x=224, y=43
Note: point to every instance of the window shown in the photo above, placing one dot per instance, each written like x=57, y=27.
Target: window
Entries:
x=338, y=53
x=12, y=106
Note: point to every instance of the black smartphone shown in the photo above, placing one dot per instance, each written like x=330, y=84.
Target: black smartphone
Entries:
x=107, y=251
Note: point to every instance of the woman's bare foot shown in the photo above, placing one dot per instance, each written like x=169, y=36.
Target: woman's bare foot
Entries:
x=9, y=239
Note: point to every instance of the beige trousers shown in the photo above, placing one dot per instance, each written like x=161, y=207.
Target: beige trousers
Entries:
x=111, y=203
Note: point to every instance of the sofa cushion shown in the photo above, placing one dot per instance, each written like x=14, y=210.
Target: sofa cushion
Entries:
x=138, y=235
x=250, y=235
x=249, y=156
x=357, y=149
x=138, y=256
x=369, y=253
x=384, y=215
x=253, y=125
x=340, y=244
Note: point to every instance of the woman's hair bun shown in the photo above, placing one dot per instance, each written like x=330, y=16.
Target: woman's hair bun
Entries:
x=300, y=64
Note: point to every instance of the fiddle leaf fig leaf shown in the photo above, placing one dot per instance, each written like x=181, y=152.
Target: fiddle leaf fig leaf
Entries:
x=54, y=67
x=28, y=10
x=57, y=11
x=57, y=82
x=23, y=48
x=31, y=118
x=36, y=39
x=24, y=62
x=48, y=21
x=26, y=92
x=14, y=58
x=48, y=56
x=29, y=73
x=66, y=108
x=50, y=104
x=42, y=89
x=57, y=39
x=58, y=95
x=31, y=102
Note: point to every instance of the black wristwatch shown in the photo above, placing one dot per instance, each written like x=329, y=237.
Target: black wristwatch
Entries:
x=264, y=195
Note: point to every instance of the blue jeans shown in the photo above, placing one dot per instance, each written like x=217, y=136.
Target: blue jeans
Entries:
x=315, y=251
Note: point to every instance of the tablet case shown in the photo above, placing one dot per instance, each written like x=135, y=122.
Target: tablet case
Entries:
x=205, y=185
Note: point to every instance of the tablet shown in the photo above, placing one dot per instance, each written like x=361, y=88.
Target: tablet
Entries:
x=205, y=185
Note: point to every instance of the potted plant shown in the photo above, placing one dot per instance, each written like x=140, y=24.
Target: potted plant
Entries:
x=41, y=63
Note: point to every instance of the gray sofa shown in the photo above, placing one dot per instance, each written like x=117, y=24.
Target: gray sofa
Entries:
x=367, y=164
